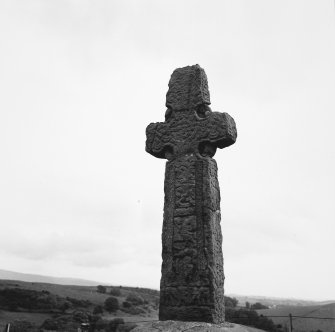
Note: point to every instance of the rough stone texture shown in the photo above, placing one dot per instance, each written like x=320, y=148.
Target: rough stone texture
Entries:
x=192, y=270
x=173, y=326
x=188, y=88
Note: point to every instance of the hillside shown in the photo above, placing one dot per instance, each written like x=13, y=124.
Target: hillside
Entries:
x=277, y=301
x=269, y=301
x=304, y=324
x=43, y=306
x=80, y=292
x=10, y=275
x=68, y=306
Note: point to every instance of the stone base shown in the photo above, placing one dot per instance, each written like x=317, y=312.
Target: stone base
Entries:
x=177, y=326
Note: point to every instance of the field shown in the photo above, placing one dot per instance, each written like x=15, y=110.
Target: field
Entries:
x=86, y=299
x=139, y=312
x=79, y=292
x=304, y=324
x=276, y=301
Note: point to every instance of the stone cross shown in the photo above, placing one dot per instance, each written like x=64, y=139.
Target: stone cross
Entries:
x=192, y=270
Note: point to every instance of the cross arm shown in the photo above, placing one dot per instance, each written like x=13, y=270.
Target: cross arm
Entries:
x=158, y=141
x=218, y=130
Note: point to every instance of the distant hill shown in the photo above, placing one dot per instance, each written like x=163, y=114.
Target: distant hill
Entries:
x=277, y=301
x=10, y=275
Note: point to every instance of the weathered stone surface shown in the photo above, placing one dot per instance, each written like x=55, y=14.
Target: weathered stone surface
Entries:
x=192, y=272
x=192, y=269
x=188, y=88
x=177, y=326
x=186, y=131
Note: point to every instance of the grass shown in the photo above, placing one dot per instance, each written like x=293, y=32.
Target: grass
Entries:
x=81, y=293
x=304, y=324
x=10, y=316
x=150, y=307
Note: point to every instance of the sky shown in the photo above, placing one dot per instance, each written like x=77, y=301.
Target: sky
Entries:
x=80, y=80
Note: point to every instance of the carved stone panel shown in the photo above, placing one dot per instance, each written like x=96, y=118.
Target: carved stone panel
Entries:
x=192, y=269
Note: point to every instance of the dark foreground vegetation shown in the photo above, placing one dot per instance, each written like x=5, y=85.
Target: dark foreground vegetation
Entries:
x=248, y=316
x=15, y=299
x=32, y=307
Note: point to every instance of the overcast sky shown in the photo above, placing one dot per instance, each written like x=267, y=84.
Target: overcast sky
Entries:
x=80, y=80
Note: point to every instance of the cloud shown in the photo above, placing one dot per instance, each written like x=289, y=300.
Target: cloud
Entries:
x=82, y=80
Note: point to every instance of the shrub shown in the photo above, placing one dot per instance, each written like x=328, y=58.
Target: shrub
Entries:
x=22, y=326
x=15, y=298
x=100, y=324
x=81, y=316
x=126, y=304
x=134, y=310
x=135, y=299
x=50, y=324
x=98, y=310
x=30, y=300
x=79, y=303
x=115, y=291
x=114, y=323
x=111, y=304
x=126, y=327
x=101, y=289
x=230, y=302
x=250, y=318
x=258, y=305
x=67, y=322
x=65, y=306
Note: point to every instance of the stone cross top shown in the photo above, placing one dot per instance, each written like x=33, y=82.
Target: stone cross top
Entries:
x=192, y=268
